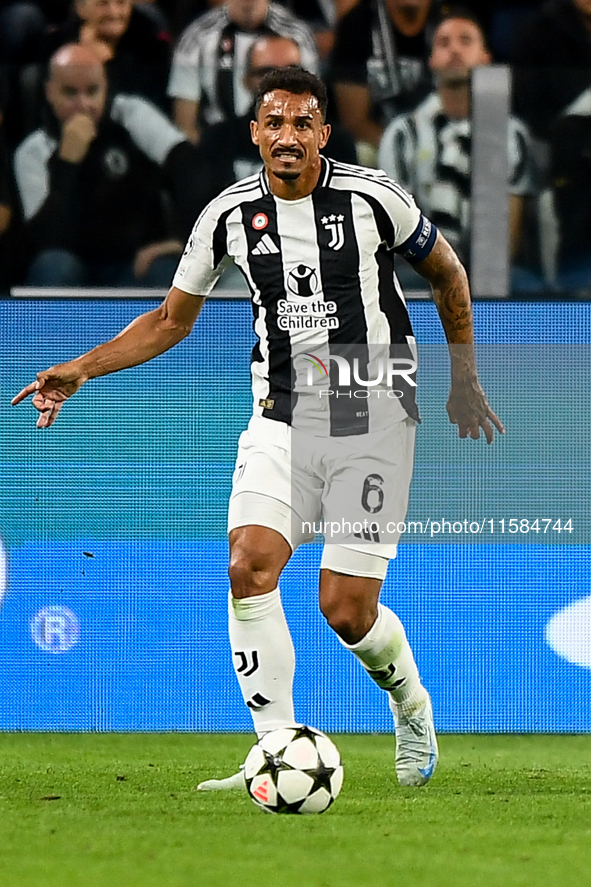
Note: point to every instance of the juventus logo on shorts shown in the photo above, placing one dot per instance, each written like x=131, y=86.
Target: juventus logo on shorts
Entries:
x=334, y=224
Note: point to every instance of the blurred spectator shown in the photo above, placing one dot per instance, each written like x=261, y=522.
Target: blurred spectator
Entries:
x=207, y=77
x=7, y=214
x=551, y=55
x=429, y=150
x=227, y=146
x=379, y=62
x=570, y=174
x=135, y=51
x=91, y=180
x=319, y=15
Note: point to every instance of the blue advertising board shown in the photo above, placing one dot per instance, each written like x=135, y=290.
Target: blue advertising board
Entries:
x=113, y=553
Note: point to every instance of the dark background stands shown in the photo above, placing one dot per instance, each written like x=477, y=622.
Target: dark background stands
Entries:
x=551, y=57
x=141, y=62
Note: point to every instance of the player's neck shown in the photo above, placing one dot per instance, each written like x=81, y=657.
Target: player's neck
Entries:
x=295, y=189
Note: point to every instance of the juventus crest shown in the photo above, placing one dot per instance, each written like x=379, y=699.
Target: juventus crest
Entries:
x=334, y=224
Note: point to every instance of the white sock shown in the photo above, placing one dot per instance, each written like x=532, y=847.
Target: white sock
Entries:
x=264, y=659
x=386, y=656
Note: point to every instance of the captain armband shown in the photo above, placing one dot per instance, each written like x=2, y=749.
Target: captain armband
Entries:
x=417, y=247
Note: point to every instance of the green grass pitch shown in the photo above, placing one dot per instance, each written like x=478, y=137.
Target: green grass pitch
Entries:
x=121, y=810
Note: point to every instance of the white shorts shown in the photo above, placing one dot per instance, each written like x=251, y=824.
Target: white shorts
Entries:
x=352, y=490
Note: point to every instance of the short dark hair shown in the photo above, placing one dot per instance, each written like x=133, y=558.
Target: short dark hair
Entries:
x=296, y=80
x=458, y=10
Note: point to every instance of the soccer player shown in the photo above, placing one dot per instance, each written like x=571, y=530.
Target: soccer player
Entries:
x=315, y=240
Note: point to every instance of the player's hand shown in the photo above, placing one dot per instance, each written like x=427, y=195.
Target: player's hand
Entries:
x=51, y=388
x=468, y=408
x=77, y=135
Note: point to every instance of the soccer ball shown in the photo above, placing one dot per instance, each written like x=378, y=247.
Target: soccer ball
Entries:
x=294, y=770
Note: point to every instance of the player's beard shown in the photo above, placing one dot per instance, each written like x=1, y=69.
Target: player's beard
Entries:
x=287, y=175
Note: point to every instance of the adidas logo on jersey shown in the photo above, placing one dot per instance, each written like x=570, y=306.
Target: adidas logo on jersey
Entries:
x=265, y=246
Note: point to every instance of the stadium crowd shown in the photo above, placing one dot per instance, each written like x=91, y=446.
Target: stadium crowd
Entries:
x=119, y=121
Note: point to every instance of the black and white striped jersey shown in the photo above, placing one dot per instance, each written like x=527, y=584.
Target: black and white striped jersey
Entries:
x=325, y=296
x=430, y=154
x=209, y=62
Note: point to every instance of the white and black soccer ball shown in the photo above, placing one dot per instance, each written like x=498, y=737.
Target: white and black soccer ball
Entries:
x=294, y=770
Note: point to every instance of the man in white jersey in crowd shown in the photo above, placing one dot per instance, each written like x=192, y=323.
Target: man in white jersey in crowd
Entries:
x=315, y=240
x=428, y=150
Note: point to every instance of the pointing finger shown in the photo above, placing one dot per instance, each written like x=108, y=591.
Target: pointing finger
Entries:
x=29, y=389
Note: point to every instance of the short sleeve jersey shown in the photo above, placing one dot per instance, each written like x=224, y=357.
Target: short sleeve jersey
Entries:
x=321, y=275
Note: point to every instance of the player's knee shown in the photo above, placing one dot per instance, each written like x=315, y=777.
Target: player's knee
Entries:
x=250, y=574
x=348, y=619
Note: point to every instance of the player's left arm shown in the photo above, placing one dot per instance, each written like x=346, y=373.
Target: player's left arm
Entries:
x=467, y=405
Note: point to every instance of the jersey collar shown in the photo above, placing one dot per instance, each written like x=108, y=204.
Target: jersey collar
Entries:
x=323, y=179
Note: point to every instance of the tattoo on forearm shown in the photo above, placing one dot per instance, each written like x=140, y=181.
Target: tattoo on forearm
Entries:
x=453, y=305
x=451, y=292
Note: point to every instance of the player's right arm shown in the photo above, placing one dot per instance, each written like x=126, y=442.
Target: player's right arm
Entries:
x=149, y=334
x=144, y=338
